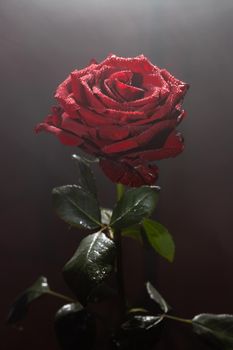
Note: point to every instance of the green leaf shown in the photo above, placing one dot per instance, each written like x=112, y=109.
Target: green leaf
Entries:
x=76, y=206
x=133, y=206
x=216, y=330
x=19, y=308
x=160, y=239
x=157, y=297
x=106, y=216
x=139, y=322
x=90, y=265
x=86, y=180
x=75, y=327
x=133, y=232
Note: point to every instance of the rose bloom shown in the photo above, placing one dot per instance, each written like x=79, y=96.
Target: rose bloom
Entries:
x=123, y=111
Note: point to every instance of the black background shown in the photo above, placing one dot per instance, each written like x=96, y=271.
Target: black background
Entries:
x=41, y=42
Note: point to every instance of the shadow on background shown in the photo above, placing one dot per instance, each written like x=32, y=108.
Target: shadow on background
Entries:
x=41, y=42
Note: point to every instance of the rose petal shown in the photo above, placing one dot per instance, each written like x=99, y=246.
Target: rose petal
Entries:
x=113, y=94
x=172, y=81
x=154, y=79
x=65, y=97
x=66, y=138
x=129, y=173
x=54, y=118
x=94, y=102
x=113, y=133
x=154, y=97
x=121, y=146
x=74, y=126
x=143, y=139
x=77, y=87
x=124, y=116
x=128, y=92
x=121, y=75
x=138, y=64
x=72, y=84
x=94, y=119
x=69, y=139
x=110, y=83
x=102, y=73
x=74, y=80
x=163, y=111
x=173, y=146
x=107, y=101
x=63, y=89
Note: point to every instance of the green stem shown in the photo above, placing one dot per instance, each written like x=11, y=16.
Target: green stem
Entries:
x=61, y=296
x=179, y=319
x=120, y=189
x=118, y=241
x=120, y=274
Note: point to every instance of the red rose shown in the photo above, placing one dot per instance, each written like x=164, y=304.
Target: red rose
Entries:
x=123, y=111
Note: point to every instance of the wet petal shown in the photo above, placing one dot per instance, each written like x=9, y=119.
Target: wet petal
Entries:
x=113, y=133
x=172, y=81
x=90, y=97
x=94, y=119
x=106, y=100
x=173, y=146
x=74, y=126
x=129, y=173
x=138, y=64
x=128, y=92
x=162, y=112
x=65, y=137
x=140, y=140
x=124, y=116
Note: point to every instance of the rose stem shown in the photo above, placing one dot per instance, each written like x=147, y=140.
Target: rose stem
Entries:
x=118, y=241
x=120, y=189
x=61, y=296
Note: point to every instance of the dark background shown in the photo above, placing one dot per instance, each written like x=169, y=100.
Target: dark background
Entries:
x=40, y=43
